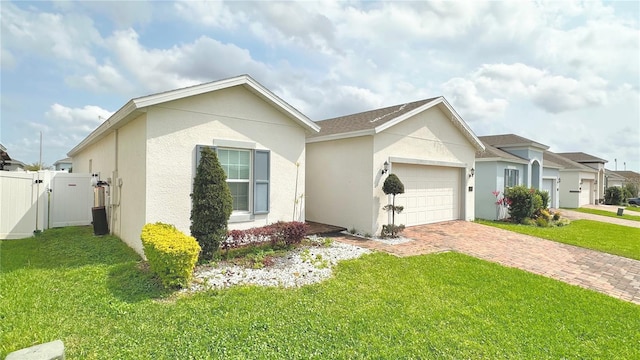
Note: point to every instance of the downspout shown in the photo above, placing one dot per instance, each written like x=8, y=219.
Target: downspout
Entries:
x=114, y=180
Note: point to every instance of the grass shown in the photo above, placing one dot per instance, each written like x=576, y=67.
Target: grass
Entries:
x=625, y=216
x=90, y=293
x=605, y=237
x=632, y=208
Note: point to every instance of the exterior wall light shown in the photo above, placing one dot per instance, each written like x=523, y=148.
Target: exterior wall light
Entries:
x=385, y=168
x=472, y=172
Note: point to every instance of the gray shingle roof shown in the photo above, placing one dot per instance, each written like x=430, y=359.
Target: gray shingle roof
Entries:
x=582, y=157
x=629, y=175
x=505, y=140
x=566, y=164
x=492, y=152
x=366, y=120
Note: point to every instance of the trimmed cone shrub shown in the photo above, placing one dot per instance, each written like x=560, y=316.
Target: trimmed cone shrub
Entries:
x=212, y=204
x=171, y=254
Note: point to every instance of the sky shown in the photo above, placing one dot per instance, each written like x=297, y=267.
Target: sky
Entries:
x=562, y=73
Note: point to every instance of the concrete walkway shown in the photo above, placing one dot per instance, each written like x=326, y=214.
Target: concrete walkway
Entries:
x=609, y=274
x=575, y=215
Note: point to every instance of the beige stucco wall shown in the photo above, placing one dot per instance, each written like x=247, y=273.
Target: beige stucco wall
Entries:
x=428, y=136
x=339, y=183
x=126, y=203
x=234, y=114
x=344, y=180
x=100, y=155
x=129, y=200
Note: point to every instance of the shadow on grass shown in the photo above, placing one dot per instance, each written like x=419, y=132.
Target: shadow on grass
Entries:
x=67, y=247
x=132, y=282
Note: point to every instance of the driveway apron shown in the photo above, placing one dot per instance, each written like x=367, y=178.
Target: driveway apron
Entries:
x=613, y=275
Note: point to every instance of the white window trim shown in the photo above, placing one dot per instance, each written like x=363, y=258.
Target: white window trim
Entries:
x=242, y=215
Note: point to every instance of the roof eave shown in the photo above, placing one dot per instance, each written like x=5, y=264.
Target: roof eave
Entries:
x=455, y=118
x=146, y=101
x=341, y=136
x=123, y=113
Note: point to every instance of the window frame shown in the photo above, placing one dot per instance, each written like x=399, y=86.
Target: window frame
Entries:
x=259, y=202
x=511, y=174
x=240, y=181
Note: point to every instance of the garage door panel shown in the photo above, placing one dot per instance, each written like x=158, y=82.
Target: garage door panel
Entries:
x=431, y=194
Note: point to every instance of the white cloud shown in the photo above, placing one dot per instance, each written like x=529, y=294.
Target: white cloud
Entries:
x=67, y=37
x=463, y=94
x=552, y=93
x=82, y=120
x=209, y=13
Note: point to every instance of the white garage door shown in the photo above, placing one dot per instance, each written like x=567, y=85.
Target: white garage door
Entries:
x=432, y=194
x=585, y=192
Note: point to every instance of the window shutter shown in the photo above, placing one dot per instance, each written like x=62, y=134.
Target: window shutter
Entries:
x=261, y=177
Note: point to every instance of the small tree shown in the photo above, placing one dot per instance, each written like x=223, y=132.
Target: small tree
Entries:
x=613, y=195
x=392, y=185
x=36, y=166
x=212, y=204
x=630, y=190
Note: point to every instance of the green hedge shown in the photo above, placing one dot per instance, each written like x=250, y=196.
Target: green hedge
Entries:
x=171, y=254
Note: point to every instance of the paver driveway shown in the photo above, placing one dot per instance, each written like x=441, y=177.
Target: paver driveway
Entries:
x=610, y=274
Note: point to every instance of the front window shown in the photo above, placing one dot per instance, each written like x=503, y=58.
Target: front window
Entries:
x=510, y=178
x=237, y=166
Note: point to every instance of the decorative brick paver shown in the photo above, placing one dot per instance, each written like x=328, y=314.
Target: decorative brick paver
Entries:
x=609, y=274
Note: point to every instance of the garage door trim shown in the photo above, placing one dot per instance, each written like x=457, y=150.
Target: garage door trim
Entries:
x=410, y=161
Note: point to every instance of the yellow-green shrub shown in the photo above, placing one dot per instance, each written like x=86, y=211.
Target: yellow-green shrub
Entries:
x=171, y=254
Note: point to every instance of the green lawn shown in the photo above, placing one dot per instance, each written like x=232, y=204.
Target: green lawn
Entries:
x=89, y=292
x=605, y=237
x=625, y=215
x=633, y=208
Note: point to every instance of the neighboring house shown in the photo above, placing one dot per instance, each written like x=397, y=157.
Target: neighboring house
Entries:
x=512, y=160
x=577, y=182
x=7, y=163
x=147, y=151
x=63, y=165
x=595, y=163
x=425, y=143
x=612, y=178
x=622, y=178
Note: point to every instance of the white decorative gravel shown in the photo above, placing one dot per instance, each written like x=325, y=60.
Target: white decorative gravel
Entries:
x=302, y=266
x=388, y=241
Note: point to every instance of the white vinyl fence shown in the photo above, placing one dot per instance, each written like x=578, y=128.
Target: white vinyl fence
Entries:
x=35, y=201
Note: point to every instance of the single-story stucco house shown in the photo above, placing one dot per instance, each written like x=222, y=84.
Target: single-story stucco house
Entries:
x=425, y=143
x=577, y=182
x=63, y=164
x=512, y=160
x=595, y=163
x=621, y=178
x=147, y=151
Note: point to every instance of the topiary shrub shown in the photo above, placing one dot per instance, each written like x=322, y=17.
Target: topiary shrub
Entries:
x=613, y=195
x=171, y=254
x=392, y=186
x=212, y=204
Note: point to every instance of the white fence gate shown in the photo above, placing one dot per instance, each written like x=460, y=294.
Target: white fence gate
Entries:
x=27, y=204
x=71, y=200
